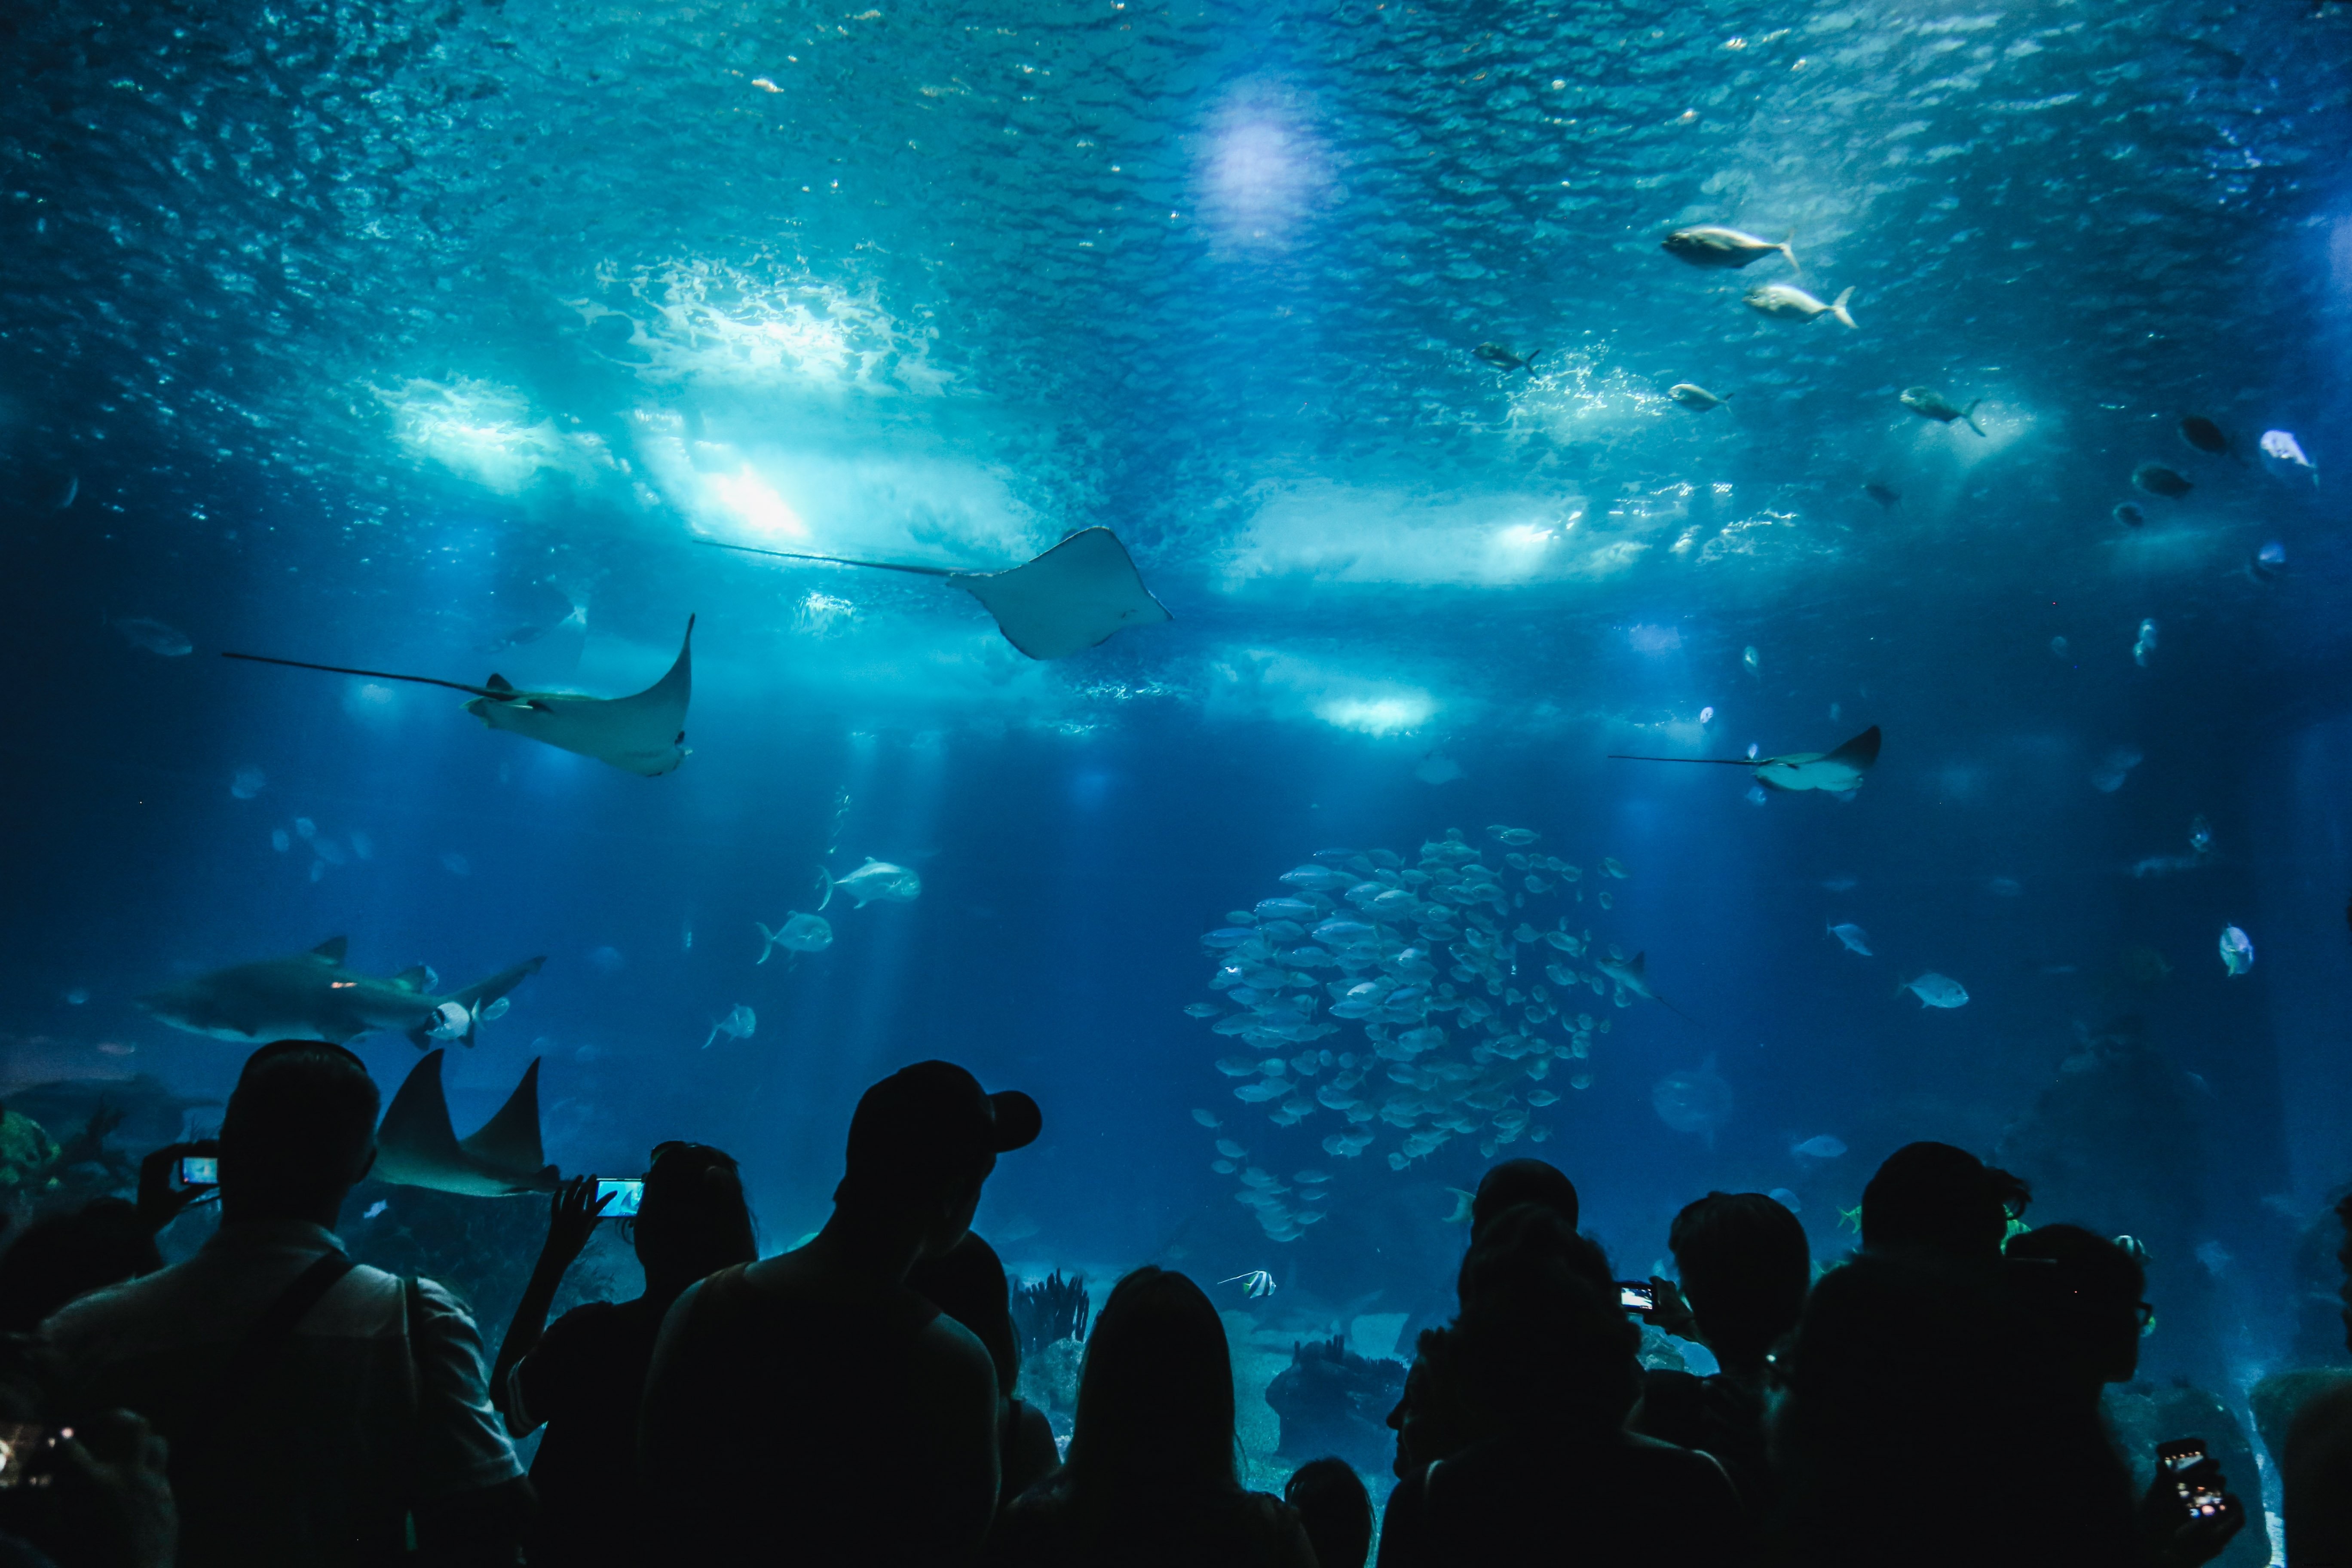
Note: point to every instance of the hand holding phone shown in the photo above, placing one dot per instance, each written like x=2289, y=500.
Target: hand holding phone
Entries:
x=173, y=1177
x=1636, y=1296
x=200, y=1169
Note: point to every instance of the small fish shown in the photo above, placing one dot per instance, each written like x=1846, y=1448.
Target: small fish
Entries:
x=1698, y=397
x=1203, y=1010
x=1754, y=664
x=247, y=782
x=450, y=1022
x=1710, y=244
x=376, y=1208
x=2285, y=455
x=1463, y=1203
x=1312, y=1178
x=1786, y=302
x=1786, y=1200
x=1255, y=1283
x=1222, y=1167
x=1855, y=939
x=874, y=880
x=2204, y=435
x=2201, y=834
x=116, y=1048
x=1518, y=838
x=76, y=998
x=73, y=488
x=1935, y=990
x=738, y=1024
x=799, y=933
x=1851, y=1219
x=2267, y=563
x=2129, y=514
x=1207, y=1118
x=279, y=841
x=1929, y=403
x=490, y=1013
x=2059, y=647
x=2237, y=951
x=166, y=641
x=1822, y=1148
x=1614, y=869
x=2145, y=648
x=2159, y=480
x=1504, y=359
x=1887, y=496
x=1230, y=1150
x=1540, y=1097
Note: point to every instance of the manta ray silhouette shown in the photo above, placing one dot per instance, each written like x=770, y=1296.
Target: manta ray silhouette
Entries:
x=1836, y=772
x=644, y=734
x=416, y=1147
x=1065, y=601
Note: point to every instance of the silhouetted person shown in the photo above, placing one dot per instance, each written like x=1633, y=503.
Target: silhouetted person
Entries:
x=1548, y=1360
x=1745, y=1268
x=2316, y=1469
x=1516, y=1182
x=61, y=1257
x=967, y=1283
x=585, y=1375
x=1934, y=1198
x=810, y=1408
x=104, y=1502
x=1150, y=1481
x=316, y=1410
x=1335, y=1509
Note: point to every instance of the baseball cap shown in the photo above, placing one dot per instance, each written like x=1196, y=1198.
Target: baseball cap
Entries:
x=933, y=1120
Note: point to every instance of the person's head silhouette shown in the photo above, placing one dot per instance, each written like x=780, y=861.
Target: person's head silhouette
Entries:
x=1932, y=1197
x=1516, y=1182
x=299, y=1133
x=693, y=1220
x=922, y=1143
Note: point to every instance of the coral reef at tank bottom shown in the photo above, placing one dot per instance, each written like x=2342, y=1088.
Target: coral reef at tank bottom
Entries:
x=1049, y=1318
x=1333, y=1400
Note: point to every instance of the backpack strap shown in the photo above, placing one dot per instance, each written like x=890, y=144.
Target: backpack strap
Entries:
x=263, y=1344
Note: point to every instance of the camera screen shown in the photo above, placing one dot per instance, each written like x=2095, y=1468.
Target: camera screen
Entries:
x=25, y=1454
x=199, y=1171
x=626, y=1195
x=1636, y=1297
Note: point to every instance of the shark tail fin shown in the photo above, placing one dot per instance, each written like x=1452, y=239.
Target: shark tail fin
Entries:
x=1969, y=415
x=509, y=1140
x=1837, y=307
x=1789, y=250
x=1862, y=751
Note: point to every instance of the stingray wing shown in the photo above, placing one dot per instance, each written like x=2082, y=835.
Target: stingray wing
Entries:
x=1858, y=753
x=508, y=1143
x=643, y=734
x=414, y=1144
x=1069, y=599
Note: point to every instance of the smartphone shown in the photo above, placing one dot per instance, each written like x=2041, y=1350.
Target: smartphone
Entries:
x=1636, y=1295
x=626, y=1196
x=27, y=1452
x=199, y=1171
x=2181, y=1457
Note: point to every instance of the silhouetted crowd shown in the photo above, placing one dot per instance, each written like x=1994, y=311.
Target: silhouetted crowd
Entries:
x=1933, y=1400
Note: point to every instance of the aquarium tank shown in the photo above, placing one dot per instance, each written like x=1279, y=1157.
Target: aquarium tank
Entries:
x=1340, y=592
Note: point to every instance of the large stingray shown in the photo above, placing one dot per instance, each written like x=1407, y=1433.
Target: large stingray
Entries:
x=643, y=734
x=1065, y=601
x=416, y=1147
x=1836, y=772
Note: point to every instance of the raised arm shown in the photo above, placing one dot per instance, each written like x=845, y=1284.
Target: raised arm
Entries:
x=572, y=1217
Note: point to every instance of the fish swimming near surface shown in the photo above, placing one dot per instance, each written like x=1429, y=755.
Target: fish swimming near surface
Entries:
x=874, y=880
x=738, y=1025
x=799, y=933
x=1711, y=245
x=2129, y=515
x=2205, y=436
x=2285, y=455
x=1504, y=359
x=1935, y=990
x=1887, y=496
x=1822, y=1148
x=1929, y=403
x=1696, y=1100
x=155, y=636
x=312, y=996
x=2237, y=951
x=1786, y=302
x=1077, y=594
x=1697, y=397
x=1855, y=939
x=2159, y=480
x=1836, y=772
x=415, y=1146
x=644, y=734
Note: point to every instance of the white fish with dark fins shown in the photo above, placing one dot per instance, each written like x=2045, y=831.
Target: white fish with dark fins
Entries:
x=1786, y=302
x=2283, y=455
x=1856, y=940
x=799, y=933
x=1935, y=990
x=1712, y=245
x=1693, y=396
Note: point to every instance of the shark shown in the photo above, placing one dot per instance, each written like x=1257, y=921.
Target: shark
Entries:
x=1837, y=772
x=313, y=996
x=416, y=1147
x=1633, y=974
x=1075, y=596
x=643, y=734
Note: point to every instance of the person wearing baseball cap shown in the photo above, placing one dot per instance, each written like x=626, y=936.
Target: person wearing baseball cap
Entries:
x=811, y=1407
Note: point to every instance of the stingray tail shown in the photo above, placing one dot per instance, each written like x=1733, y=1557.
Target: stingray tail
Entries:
x=1970, y=414
x=1837, y=307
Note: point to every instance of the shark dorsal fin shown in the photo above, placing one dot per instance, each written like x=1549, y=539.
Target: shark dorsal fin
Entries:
x=415, y=979
x=499, y=683
x=1862, y=751
x=509, y=1141
x=332, y=948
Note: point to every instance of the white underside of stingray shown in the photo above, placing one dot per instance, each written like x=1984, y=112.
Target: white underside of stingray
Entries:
x=644, y=734
x=1071, y=598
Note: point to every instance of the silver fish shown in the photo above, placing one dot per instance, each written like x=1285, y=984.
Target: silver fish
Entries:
x=1710, y=244
x=1697, y=397
x=1789, y=302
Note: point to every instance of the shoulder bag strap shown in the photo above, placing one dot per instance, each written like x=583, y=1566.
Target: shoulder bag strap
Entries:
x=263, y=1344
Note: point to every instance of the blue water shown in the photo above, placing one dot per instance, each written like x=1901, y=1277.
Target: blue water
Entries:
x=371, y=336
